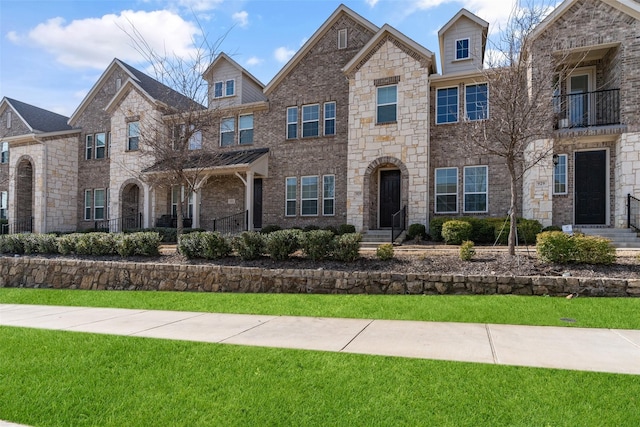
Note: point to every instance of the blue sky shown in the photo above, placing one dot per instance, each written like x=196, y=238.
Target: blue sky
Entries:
x=53, y=51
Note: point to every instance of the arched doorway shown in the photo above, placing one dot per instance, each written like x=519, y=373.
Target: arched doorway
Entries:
x=386, y=191
x=131, y=207
x=24, y=197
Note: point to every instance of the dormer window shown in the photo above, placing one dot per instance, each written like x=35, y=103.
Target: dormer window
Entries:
x=342, y=38
x=462, y=49
x=8, y=119
x=223, y=89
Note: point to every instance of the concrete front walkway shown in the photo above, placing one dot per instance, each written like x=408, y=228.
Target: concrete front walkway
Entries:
x=600, y=350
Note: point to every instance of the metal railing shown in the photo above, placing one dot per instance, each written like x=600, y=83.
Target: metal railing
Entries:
x=633, y=212
x=398, y=223
x=20, y=226
x=232, y=224
x=118, y=224
x=587, y=109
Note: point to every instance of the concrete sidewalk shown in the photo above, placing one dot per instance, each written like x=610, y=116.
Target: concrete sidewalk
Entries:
x=600, y=350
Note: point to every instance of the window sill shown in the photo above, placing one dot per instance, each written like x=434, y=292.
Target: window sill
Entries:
x=468, y=58
x=387, y=123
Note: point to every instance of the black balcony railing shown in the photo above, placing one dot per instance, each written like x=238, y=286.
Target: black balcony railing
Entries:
x=118, y=224
x=633, y=212
x=24, y=225
x=587, y=109
x=232, y=224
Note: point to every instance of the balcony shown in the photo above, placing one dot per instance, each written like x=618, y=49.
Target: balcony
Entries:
x=587, y=109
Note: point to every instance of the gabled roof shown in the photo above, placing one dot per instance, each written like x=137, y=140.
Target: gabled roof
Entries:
x=222, y=57
x=151, y=86
x=385, y=31
x=630, y=7
x=340, y=11
x=37, y=119
x=210, y=160
x=474, y=18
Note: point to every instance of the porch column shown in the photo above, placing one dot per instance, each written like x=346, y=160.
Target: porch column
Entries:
x=249, y=199
x=197, y=195
x=146, y=208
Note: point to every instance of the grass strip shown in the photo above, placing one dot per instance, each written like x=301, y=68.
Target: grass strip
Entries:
x=54, y=378
x=618, y=313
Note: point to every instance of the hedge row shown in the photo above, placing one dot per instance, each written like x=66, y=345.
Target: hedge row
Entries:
x=278, y=245
x=561, y=248
x=142, y=244
x=487, y=230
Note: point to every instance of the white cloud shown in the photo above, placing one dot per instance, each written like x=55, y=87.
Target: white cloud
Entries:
x=13, y=37
x=371, y=3
x=254, y=60
x=94, y=42
x=241, y=18
x=495, y=12
x=199, y=5
x=283, y=54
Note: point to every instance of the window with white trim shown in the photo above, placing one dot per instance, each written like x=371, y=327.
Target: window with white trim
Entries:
x=475, y=188
x=447, y=105
x=292, y=122
x=310, y=120
x=560, y=175
x=217, y=89
x=133, y=135
x=329, y=118
x=245, y=129
x=309, y=195
x=462, y=49
x=4, y=156
x=4, y=202
x=89, y=147
x=476, y=101
x=195, y=140
x=291, y=196
x=8, y=119
x=177, y=192
x=446, y=190
x=386, y=102
x=88, y=199
x=101, y=143
x=227, y=131
x=98, y=204
x=342, y=38
x=328, y=195
x=230, y=88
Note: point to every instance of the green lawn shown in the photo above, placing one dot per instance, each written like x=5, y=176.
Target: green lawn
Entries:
x=620, y=313
x=53, y=378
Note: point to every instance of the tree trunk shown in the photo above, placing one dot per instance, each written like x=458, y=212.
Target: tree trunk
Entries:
x=513, y=209
x=179, y=217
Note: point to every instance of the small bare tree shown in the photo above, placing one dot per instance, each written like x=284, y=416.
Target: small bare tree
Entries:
x=521, y=81
x=174, y=140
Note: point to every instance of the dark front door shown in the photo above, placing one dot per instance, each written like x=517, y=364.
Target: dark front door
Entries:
x=257, y=203
x=591, y=187
x=389, y=196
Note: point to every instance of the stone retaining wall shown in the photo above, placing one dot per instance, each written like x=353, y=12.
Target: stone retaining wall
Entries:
x=32, y=272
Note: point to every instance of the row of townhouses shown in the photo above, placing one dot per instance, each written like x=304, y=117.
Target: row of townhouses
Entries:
x=360, y=123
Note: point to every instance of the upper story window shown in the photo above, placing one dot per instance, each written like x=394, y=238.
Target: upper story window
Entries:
x=4, y=204
x=222, y=89
x=475, y=188
x=462, y=49
x=4, y=156
x=329, y=118
x=227, y=131
x=133, y=135
x=447, y=105
x=446, y=190
x=101, y=144
x=89, y=147
x=292, y=122
x=386, y=101
x=342, y=38
x=195, y=140
x=560, y=174
x=310, y=120
x=476, y=101
x=8, y=119
x=245, y=129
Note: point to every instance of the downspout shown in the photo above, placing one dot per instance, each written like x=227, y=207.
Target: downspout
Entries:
x=43, y=228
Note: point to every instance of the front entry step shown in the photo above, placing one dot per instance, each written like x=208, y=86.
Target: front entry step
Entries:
x=374, y=238
x=620, y=237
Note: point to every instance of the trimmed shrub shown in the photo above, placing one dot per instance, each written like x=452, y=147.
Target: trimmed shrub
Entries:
x=346, y=247
x=311, y=227
x=141, y=243
x=332, y=229
x=67, y=243
x=467, y=251
x=528, y=229
x=270, y=229
x=346, y=229
x=385, y=251
x=249, y=245
x=317, y=244
x=551, y=228
x=204, y=244
x=95, y=244
x=435, y=227
x=555, y=247
x=12, y=244
x=416, y=231
x=593, y=250
x=190, y=245
x=455, y=232
x=126, y=245
x=47, y=244
x=281, y=244
x=482, y=229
